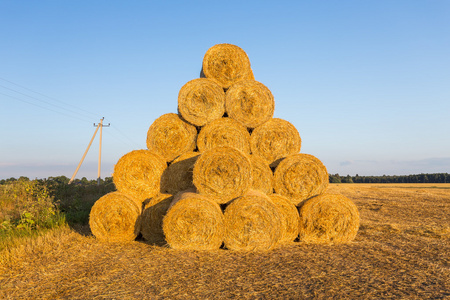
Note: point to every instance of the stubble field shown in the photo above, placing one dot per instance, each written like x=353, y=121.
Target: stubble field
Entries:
x=401, y=252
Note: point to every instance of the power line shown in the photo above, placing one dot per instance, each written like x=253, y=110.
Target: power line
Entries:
x=54, y=99
x=43, y=107
x=46, y=102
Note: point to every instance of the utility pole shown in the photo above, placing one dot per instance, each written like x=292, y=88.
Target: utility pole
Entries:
x=100, y=148
x=99, y=125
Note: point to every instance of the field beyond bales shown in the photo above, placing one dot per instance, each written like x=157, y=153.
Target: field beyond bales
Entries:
x=401, y=252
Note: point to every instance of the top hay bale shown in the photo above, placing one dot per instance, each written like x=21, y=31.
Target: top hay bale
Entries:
x=201, y=101
x=226, y=64
x=170, y=136
x=250, y=103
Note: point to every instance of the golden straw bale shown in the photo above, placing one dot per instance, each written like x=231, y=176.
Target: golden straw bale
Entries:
x=300, y=177
x=289, y=218
x=170, y=136
x=115, y=218
x=275, y=139
x=328, y=219
x=138, y=174
x=152, y=218
x=223, y=173
x=226, y=64
x=201, y=101
x=262, y=175
x=178, y=176
x=194, y=222
x=252, y=223
x=224, y=132
x=249, y=102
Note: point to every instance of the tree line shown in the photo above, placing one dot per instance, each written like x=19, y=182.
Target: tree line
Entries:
x=415, y=178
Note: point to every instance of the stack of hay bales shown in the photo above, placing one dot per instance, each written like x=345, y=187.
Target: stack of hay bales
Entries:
x=223, y=172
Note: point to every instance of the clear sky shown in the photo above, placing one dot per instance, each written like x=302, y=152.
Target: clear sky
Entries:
x=366, y=83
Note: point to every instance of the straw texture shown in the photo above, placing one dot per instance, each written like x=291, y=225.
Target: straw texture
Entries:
x=115, y=218
x=178, y=176
x=138, y=174
x=328, y=219
x=226, y=64
x=300, y=177
x=289, y=218
x=194, y=222
x=224, y=132
x=262, y=175
x=201, y=101
x=250, y=102
x=253, y=223
x=170, y=136
x=275, y=139
x=152, y=218
x=223, y=173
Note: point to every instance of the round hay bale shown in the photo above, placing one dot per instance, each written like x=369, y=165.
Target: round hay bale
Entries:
x=115, y=218
x=193, y=222
x=223, y=173
x=300, y=177
x=250, y=103
x=201, y=101
x=224, y=132
x=275, y=139
x=289, y=218
x=253, y=223
x=170, y=136
x=152, y=219
x=262, y=175
x=226, y=64
x=178, y=176
x=138, y=174
x=328, y=219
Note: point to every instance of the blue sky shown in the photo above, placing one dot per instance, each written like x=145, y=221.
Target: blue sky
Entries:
x=366, y=83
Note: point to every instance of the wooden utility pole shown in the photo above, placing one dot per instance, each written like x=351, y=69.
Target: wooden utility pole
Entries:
x=99, y=125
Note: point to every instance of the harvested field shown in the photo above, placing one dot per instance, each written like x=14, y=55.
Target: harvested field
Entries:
x=400, y=252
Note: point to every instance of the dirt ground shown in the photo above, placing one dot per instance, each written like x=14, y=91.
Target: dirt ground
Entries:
x=401, y=252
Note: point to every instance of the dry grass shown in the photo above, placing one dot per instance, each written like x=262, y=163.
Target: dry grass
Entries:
x=224, y=132
x=400, y=252
x=226, y=64
x=138, y=174
x=250, y=103
x=201, y=101
x=170, y=136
